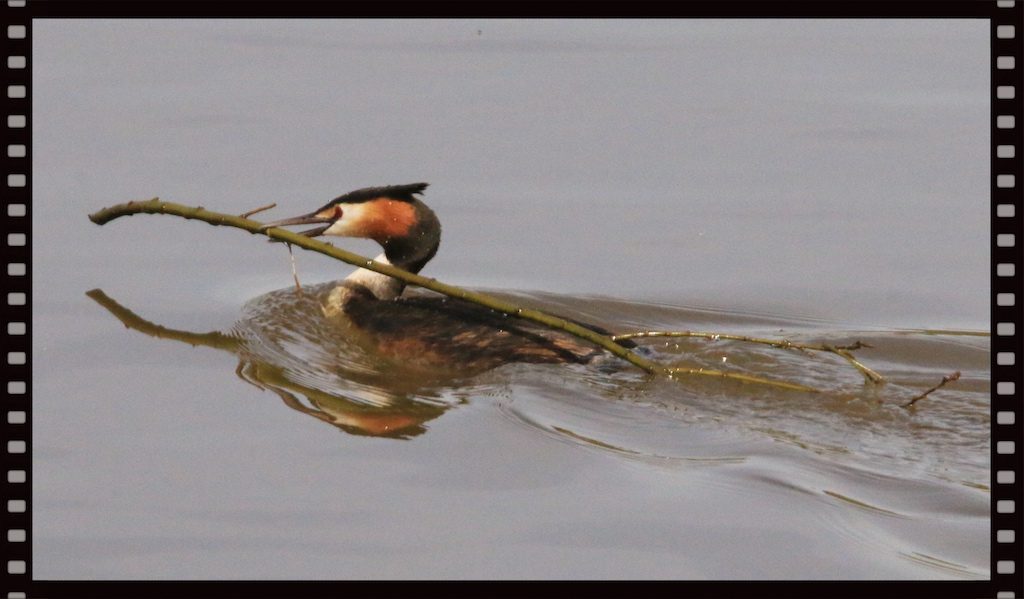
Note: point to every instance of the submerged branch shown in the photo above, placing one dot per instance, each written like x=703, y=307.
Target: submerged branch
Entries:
x=870, y=375
x=746, y=378
x=842, y=351
x=157, y=206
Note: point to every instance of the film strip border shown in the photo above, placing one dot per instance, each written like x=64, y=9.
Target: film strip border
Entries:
x=17, y=298
x=1006, y=44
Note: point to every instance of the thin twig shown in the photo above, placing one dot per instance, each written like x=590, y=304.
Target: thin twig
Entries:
x=157, y=206
x=257, y=210
x=946, y=379
x=840, y=350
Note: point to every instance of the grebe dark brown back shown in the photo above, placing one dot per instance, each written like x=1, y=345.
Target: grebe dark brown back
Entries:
x=430, y=331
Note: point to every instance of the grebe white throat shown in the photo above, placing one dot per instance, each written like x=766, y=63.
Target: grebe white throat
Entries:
x=381, y=286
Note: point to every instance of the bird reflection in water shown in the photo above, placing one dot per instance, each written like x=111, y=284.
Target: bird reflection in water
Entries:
x=340, y=384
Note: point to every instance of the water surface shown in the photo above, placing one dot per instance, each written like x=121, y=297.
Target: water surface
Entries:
x=824, y=182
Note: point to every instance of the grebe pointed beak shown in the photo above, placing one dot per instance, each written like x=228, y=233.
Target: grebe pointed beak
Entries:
x=305, y=219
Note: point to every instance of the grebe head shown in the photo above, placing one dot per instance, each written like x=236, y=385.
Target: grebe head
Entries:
x=392, y=216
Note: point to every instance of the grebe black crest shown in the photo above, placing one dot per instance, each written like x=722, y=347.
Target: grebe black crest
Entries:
x=424, y=330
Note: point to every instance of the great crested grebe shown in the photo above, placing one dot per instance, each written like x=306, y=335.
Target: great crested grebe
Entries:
x=423, y=330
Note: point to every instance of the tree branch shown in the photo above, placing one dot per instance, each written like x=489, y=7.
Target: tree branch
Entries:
x=157, y=206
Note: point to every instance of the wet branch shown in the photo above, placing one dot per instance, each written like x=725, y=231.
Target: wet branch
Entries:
x=158, y=206
x=842, y=351
x=946, y=379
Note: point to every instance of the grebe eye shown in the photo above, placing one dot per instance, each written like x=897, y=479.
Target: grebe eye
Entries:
x=337, y=212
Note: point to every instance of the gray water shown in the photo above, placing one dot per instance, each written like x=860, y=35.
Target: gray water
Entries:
x=823, y=181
